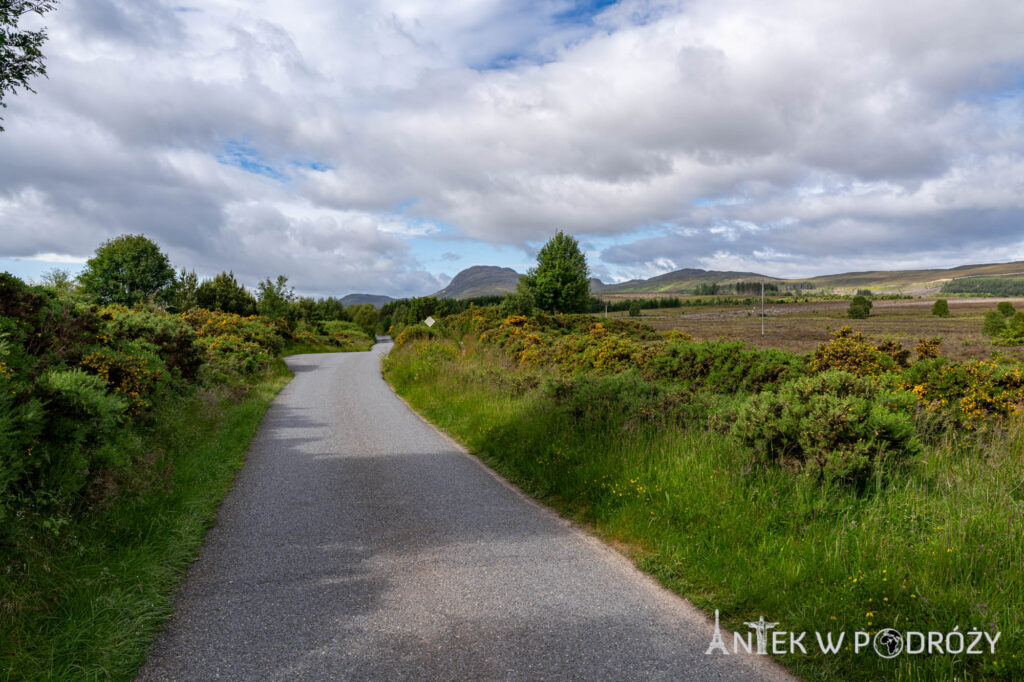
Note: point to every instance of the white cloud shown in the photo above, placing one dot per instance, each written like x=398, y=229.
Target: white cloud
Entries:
x=833, y=133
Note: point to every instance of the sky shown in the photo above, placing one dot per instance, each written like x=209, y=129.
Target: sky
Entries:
x=382, y=146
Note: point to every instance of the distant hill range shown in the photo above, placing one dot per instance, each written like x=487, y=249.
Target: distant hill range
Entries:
x=913, y=282
x=480, y=280
x=491, y=280
x=359, y=299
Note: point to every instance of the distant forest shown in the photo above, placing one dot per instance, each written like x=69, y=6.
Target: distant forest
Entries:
x=992, y=286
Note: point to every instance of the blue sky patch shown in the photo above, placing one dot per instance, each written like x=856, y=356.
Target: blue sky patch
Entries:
x=583, y=12
x=242, y=155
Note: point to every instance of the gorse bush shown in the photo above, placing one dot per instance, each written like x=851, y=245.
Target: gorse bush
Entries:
x=927, y=349
x=723, y=367
x=414, y=333
x=597, y=350
x=173, y=338
x=851, y=410
x=835, y=426
x=969, y=394
x=73, y=377
x=612, y=400
x=852, y=352
x=132, y=370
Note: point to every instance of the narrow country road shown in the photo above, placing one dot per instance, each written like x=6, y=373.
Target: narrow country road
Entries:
x=360, y=543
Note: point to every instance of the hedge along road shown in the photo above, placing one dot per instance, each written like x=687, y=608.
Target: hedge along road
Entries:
x=361, y=543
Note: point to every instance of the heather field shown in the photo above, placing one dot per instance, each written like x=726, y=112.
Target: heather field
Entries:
x=800, y=327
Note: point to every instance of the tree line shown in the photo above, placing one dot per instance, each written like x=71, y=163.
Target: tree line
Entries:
x=130, y=270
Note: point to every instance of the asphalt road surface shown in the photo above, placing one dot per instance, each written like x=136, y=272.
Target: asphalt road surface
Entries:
x=360, y=543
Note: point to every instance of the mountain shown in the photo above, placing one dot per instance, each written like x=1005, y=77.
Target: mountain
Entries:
x=679, y=281
x=359, y=299
x=480, y=280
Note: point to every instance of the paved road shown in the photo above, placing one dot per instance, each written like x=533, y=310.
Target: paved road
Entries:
x=360, y=543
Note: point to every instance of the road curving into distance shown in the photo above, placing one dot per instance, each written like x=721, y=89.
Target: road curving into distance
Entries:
x=360, y=543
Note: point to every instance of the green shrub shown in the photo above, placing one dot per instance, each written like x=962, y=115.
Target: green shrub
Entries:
x=896, y=351
x=81, y=414
x=173, y=338
x=724, y=367
x=994, y=323
x=835, y=426
x=1013, y=333
x=1005, y=308
x=860, y=308
x=634, y=308
x=517, y=303
x=416, y=332
x=612, y=399
x=230, y=358
x=940, y=308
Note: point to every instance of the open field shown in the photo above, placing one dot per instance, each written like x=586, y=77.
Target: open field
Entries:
x=800, y=327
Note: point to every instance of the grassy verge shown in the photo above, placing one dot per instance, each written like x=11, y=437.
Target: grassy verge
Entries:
x=87, y=603
x=940, y=546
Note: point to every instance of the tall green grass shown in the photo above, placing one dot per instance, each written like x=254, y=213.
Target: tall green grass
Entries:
x=87, y=603
x=937, y=546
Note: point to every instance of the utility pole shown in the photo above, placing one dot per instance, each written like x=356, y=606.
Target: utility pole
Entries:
x=762, y=307
x=606, y=310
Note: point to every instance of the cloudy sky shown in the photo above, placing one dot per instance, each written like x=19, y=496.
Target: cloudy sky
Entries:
x=384, y=145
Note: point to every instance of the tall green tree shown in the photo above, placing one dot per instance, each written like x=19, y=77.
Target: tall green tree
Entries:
x=366, y=316
x=128, y=269
x=421, y=308
x=21, y=55
x=224, y=293
x=274, y=299
x=60, y=281
x=561, y=280
x=181, y=295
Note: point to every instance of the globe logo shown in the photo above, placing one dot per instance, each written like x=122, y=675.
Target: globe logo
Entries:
x=888, y=643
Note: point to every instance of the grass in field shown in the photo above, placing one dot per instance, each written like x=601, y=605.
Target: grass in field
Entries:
x=87, y=607
x=939, y=547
